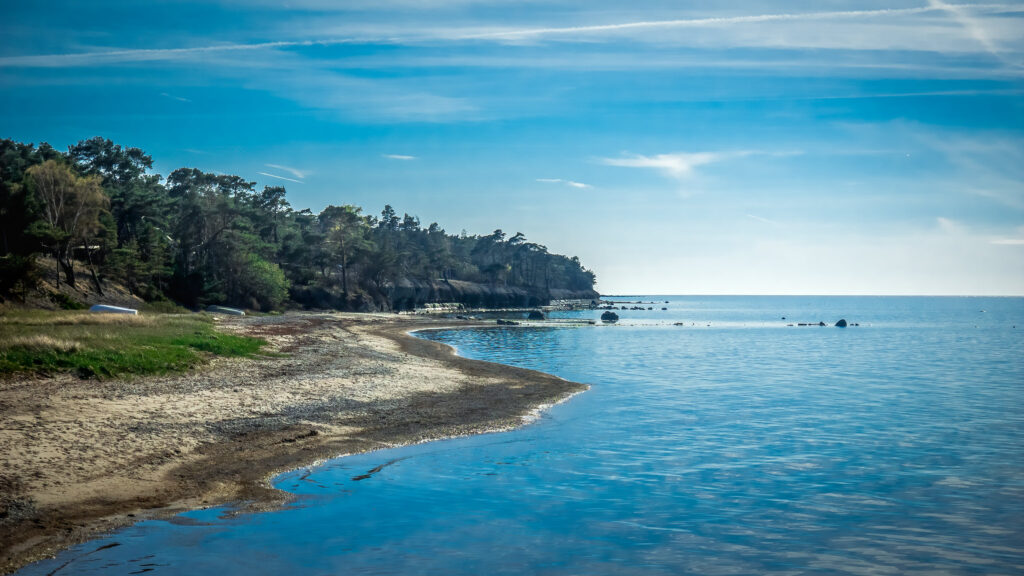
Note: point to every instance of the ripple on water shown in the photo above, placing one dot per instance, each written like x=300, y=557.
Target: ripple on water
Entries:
x=747, y=447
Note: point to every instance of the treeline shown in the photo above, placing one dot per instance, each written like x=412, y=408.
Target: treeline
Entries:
x=201, y=238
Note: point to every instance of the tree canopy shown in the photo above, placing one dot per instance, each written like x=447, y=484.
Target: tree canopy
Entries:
x=204, y=238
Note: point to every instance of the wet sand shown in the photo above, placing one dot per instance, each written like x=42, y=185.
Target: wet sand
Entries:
x=82, y=456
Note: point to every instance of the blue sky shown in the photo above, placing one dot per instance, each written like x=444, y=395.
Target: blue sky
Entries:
x=779, y=147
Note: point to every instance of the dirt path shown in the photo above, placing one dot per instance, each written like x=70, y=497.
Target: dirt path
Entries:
x=81, y=456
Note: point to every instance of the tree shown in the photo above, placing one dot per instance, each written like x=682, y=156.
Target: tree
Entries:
x=266, y=284
x=347, y=235
x=72, y=207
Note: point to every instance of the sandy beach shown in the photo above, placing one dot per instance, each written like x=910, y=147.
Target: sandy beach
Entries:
x=82, y=456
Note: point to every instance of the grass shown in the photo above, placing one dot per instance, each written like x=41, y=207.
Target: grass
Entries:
x=107, y=345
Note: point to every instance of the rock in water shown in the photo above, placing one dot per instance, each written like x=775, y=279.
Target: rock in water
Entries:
x=609, y=317
x=841, y=323
x=537, y=315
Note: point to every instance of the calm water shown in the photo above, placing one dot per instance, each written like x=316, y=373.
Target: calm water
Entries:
x=730, y=445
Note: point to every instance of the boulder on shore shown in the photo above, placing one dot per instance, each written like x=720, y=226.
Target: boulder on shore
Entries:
x=609, y=317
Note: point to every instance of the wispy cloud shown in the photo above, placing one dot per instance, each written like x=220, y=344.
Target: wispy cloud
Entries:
x=693, y=23
x=988, y=26
x=173, y=97
x=571, y=183
x=976, y=28
x=293, y=171
x=950, y=226
x=279, y=177
x=678, y=165
x=398, y=156
x=763, y=220
x=101, y=57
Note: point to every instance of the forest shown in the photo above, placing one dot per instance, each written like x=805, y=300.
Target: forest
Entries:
x=198, y=238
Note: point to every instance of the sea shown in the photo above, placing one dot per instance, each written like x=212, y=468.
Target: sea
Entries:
x=718, y=436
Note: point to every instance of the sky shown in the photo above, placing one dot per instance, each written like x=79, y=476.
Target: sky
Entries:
x=736, y=147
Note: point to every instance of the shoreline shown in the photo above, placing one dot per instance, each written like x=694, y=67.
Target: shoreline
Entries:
x=82, y=457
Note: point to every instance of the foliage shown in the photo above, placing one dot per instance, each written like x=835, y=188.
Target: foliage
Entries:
x=66, y=302
x=203, y=238
x=71, y=209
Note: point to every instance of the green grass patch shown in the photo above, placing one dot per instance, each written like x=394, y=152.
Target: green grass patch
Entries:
x=108, y=345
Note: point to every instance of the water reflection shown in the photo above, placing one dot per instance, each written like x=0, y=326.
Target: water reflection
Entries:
x=723, y=451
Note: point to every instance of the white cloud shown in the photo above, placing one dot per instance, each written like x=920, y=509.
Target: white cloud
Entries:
x=279, y=177
x=292, y=171
x=950, y=226
x=763, y=220
x=678, y=165
x=974, y=28
x=101, y=57
x=571, y=183
x=398, y=157
x=173, y=97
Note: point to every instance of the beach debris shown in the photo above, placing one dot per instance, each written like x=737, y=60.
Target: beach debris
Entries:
x=225, y=310
x=610, y=316
x=108, y=309
x=841, y=323
x=536, y=315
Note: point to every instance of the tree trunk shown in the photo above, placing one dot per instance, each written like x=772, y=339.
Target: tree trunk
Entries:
x=68, y=266
x=56, y=266
x=92, y=271
x=344, y=271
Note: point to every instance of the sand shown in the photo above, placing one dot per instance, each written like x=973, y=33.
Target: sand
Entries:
x=78, y=457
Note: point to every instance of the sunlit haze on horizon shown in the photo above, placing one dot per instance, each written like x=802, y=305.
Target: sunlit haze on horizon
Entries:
x=780, y=147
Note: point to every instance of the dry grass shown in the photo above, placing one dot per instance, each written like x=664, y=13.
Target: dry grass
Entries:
x=41, y=342
x=76, y=318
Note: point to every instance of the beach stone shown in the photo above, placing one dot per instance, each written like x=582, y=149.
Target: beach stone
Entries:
x=841, y=323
